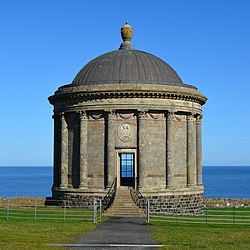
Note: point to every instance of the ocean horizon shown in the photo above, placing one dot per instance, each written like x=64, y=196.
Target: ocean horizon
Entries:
x=36, y=181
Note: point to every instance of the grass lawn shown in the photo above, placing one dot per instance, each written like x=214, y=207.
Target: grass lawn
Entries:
x=185, y=236
x=27, y=234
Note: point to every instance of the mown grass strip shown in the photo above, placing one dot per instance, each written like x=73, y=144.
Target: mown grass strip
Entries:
x=210, y=216
x=197, y=236
x=41, y=212
x=26, y=234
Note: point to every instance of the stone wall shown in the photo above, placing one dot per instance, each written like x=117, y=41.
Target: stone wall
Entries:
x=176, y=204
x=72, y=199
x=227, y=202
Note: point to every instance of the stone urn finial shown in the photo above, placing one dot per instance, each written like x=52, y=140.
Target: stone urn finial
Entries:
x=126, y=33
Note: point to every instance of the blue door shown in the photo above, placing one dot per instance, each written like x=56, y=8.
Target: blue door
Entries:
x=127, y=169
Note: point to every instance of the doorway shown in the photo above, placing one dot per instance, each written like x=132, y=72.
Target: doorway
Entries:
x=127, y=169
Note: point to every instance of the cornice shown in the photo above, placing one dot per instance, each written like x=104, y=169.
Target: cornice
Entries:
x=95, y=95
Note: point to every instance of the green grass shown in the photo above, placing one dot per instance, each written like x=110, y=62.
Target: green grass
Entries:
x=27, y=234
x=56, y=213
x=210, y=216
x=186, y=236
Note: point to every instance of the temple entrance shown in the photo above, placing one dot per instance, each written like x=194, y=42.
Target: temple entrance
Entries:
x=127, y=169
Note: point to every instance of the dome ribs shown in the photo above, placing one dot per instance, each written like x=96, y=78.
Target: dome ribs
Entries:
x=127, y=66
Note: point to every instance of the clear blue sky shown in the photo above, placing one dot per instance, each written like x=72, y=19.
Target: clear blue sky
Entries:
x=45, y=43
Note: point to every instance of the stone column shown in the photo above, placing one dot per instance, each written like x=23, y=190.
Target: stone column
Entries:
x=111, y=170
x=64, y=153
x=142, y=154
x=170, y=149
x=199, y=150
x=191, y=151
x=83, y=157
x=56, y=174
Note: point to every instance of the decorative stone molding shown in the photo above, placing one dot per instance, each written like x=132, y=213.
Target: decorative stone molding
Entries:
x=190, y=118
x=129, y=104
x=111, y=114
x=199, y=118
x=171, y=116
x=68, y=94
x=83, y=115
x=96, y=116
x=180, y=118
x=125, y=116
x=154, y=115
x=142, y=114
x=125, y=132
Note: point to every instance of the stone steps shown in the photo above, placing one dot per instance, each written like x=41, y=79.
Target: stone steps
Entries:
x=124, y=206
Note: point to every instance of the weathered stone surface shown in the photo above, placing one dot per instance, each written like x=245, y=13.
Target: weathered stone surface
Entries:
x=227, y=202
x=177, y=204
x=145, y=110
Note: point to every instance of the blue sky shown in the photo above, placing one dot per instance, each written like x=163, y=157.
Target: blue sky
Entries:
x=45, y=43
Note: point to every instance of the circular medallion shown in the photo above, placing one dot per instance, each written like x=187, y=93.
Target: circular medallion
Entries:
x=125, y=132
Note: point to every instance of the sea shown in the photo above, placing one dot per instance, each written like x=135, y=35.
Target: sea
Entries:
x=219, y=182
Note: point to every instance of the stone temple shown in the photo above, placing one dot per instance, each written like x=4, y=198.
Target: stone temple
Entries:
x=128, y=118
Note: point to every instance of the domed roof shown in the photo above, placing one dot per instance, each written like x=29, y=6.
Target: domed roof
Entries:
x=127, y=65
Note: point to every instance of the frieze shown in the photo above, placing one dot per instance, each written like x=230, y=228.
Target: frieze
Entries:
x=108, y=95
x=96, y=116
x=180, y=118
x=155, y=116
x=125, y=116
x=120, y=103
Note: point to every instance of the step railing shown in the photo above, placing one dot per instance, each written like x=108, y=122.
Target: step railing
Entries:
x=110, y=196
x=140, y=200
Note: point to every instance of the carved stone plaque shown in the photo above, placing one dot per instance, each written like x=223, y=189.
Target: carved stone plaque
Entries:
x=125, y=132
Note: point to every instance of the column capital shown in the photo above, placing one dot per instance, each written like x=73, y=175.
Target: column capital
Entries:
x=170, y=116
x=62, y=117
x=199, y=118
x=111, y=113
x=83, y=115
x=142, y=114
x=190, y=118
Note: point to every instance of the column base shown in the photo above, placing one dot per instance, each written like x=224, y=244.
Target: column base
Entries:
x=82, y=187
x=192, y=185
